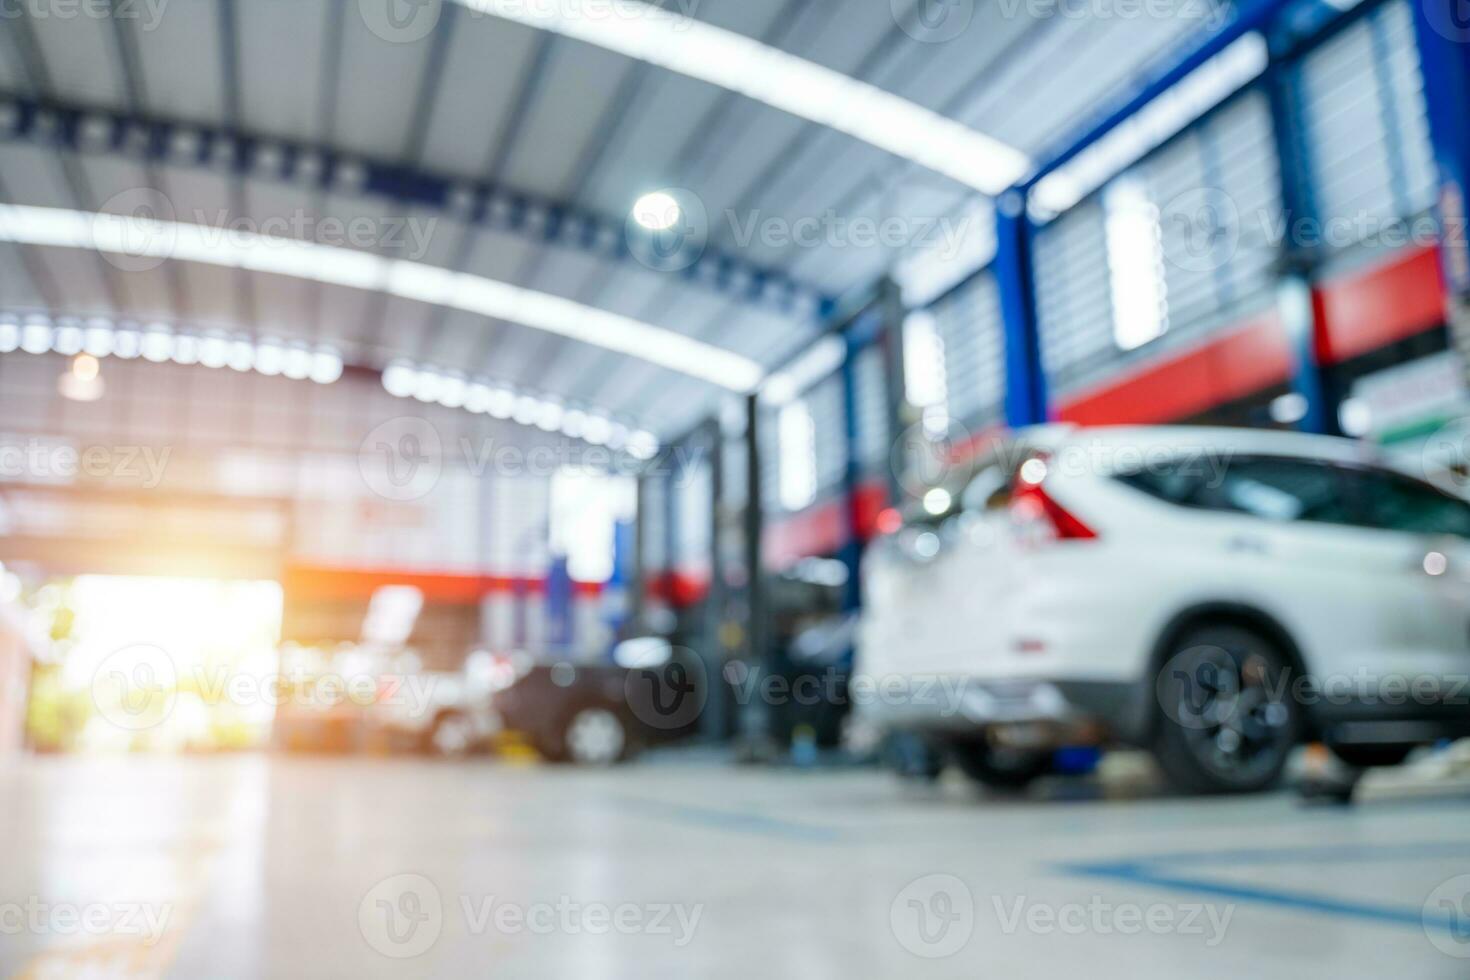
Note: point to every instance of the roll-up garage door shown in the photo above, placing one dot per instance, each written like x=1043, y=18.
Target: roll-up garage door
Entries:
x=826, y=402
x=1365, y=132
x=1214, y=193
x=870, y=376
x=969, y=325
x=1074, y=309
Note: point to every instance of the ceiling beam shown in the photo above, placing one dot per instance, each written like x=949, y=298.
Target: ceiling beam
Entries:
x=480, y=203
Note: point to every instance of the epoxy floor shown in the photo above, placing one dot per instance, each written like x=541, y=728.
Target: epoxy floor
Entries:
x=266, y=867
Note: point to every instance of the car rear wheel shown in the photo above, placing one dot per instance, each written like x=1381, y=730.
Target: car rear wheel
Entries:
x=595, y=736
x=1011, y=770
x=1228, y=723
x=452, y=736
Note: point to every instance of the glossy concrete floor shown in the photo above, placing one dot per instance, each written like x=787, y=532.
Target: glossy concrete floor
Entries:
x=261, y=867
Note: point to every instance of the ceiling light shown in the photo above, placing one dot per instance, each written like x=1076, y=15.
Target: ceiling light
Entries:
x=658, y=211
x=470, y=293
x=643, y=445
x=269, y=359
x=550, y=416
x=1201, y=90
x=68, y=340
x=426, y=386
x=98, y=341
x=326, y=367
x=597, y=431
x=186, y=349
x=9, y=337
x=452, y=392
x=157, y=346
x=298, y=363
x=477, y=398
x=574, y=423
x=214, y=352
x=242, y=355
x=526, y=411
x=502, y=403
x=816, y=363
x=35, y=338
x=400, y=380
x=127, y=344
x=746, y=66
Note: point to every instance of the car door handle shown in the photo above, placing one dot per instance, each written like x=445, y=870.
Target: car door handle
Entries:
x=1248, y=545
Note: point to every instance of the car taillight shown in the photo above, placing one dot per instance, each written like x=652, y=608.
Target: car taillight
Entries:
x=1037, y=515
x=889, y=521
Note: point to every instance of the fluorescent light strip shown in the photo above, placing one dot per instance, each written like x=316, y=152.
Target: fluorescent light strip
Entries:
x=1200, y=91
x=140, y=238
x=809, y=91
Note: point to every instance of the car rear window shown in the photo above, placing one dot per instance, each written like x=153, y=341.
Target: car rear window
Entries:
x=1286, y=489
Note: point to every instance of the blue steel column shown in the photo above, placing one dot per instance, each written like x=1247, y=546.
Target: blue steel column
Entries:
x=1295, y=303
x=851, y=553
x=1443, y=31
x=1026, y=398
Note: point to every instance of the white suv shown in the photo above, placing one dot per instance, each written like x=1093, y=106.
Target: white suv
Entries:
x=1216, y=595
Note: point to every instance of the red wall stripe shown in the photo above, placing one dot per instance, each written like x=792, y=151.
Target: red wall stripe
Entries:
x=1231, y=366
x=1398, y=299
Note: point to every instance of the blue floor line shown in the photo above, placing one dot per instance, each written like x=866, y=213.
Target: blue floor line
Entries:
x=1311, y=854
x=1298, y=901
x=1151, y=871
x=737, y=821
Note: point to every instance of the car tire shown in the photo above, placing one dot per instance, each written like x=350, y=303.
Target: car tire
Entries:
x=1227, y=723
x=591, y=735
x=1372, y=756
x=913, y=757
x=452, y=736
x=1010, y=770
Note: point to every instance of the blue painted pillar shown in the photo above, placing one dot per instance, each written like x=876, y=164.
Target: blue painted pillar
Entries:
x=1026, y=399
x=851, y=554
x=559, y=605
x=1442, y=28
x=1295, y=300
